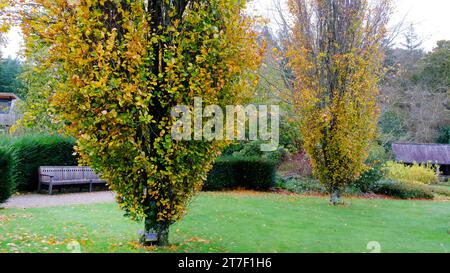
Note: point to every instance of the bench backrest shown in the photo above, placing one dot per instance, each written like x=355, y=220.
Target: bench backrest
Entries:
x=56, y=172
x=66, y=173
x=90, y=174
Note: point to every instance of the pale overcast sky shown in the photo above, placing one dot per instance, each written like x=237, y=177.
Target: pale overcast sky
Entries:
x=431, y=18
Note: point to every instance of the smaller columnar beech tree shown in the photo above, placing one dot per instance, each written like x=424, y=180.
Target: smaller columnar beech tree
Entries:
x=121, y=67
x=335, y=54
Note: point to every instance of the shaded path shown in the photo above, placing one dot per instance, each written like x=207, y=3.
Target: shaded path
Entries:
x=44, y=200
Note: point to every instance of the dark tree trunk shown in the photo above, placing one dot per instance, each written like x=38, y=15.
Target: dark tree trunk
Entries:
x=335, y=196
x=156, y=233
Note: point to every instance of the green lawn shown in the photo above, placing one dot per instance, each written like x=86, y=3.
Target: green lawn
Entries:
x=239, y=222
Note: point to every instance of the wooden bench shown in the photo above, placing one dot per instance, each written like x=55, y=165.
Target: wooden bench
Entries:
x=57, y=176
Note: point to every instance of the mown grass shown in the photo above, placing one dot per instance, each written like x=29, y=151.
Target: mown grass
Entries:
x=239, y=222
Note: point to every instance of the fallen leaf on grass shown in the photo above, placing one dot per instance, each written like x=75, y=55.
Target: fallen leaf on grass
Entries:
x=4, y=218
x=137, y=245
x=198, y=240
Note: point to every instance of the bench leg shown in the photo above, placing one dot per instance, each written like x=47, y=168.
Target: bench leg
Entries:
x=90, y=187
x=39, y=187
x=50, y=189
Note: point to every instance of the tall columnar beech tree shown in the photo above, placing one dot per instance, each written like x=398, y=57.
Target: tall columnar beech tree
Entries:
x=121, y=66
x=335, y=53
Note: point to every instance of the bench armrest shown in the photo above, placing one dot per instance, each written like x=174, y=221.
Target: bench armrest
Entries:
x=51, y=176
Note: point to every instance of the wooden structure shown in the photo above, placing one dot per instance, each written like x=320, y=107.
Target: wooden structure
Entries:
x=438, y=154
x=8, y=113
x=60, y=176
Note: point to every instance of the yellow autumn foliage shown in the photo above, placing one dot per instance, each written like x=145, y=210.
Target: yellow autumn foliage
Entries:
x=335, y=54
x=415, y=173
x=121, y=66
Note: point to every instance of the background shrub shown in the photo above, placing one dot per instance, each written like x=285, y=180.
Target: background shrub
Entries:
x=308, y=185
x=403, y=190
x=253, y=149
x=233, y=172
x=375, y=161
x=296, y=165
x=418, y=173
x=6, y=185
x=290, y=136
x=377, y=155
x=304, y=185
x=28, y=153
x=368, y=179
x=441, y=190
x=444, y=135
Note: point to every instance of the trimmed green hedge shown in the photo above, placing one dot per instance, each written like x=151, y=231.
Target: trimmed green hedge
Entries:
x=253, y=173
x=6, y=184
x=28, y=153
x=246, y=149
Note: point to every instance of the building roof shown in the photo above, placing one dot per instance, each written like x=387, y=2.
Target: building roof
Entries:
x=422, y=153
x=8, y=96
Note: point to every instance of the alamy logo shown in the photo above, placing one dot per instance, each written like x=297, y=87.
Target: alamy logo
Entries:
x=237, y=123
